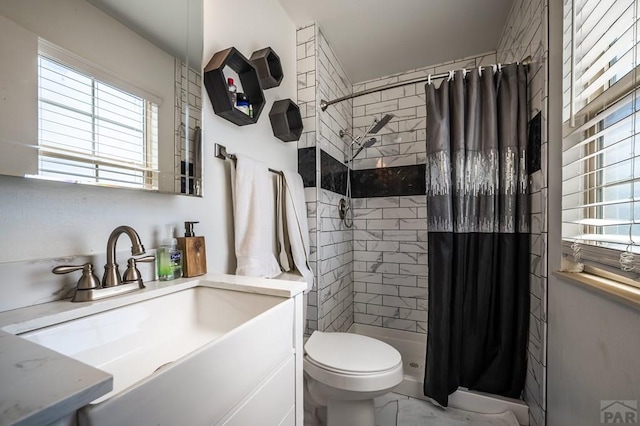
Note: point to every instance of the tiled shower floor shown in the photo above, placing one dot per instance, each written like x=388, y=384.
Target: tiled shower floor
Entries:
x=399, y=410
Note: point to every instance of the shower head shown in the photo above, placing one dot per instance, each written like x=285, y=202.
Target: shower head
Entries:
x=366, y=144
x=379, y=124
x=375, y=127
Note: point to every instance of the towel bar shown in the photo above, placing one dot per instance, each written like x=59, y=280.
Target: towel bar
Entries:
x=220, y=151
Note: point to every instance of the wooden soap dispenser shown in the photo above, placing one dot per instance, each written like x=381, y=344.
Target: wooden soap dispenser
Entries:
x=194, y=254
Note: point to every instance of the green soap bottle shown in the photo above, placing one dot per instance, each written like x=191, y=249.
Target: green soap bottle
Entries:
x=169, y=257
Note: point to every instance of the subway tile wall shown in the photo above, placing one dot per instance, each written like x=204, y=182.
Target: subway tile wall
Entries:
x=402, y=141
x=187, y=90
x=526, y=34
x=390, y=233
x=335, y=270
x=390, y=262
x=306, y=76
x=335, y=267
x=320, y=76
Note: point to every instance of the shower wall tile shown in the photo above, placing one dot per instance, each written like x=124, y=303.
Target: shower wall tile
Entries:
x=525, y=34
x=391, y=263
x=307, y=158
x=333, y=83
x=307, y=165
x=402, y=141
x=333, y=174
x=335, y=251
x=389, y=181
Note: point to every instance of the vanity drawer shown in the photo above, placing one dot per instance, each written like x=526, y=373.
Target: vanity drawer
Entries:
x=271, y=402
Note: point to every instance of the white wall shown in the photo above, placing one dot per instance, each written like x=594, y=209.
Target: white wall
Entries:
x=247, y=25
x=52, y=220
x=18, y=98
x=594, y=347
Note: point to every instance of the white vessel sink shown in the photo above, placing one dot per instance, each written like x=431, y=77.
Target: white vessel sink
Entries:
x=168, y=355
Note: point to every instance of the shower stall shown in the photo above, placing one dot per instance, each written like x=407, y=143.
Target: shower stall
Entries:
x=367, y=212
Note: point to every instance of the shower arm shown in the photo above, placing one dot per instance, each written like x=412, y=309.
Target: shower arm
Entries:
x=354, y=139
x=325, y=104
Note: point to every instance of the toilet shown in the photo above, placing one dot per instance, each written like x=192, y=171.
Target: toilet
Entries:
x=346, y=371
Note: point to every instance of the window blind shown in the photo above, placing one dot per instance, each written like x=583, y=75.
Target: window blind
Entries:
x=601, y=144
x=90, y=131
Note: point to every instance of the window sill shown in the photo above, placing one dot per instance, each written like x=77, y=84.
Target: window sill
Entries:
x=617, y=291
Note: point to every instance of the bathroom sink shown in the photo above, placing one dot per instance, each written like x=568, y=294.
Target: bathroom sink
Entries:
x=168, y=353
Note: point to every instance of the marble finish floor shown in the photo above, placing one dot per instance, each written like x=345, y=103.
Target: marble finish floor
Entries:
x=399, y=410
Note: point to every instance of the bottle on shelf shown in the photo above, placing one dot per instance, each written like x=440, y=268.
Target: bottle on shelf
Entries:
x=243, y=103
x=233, y=89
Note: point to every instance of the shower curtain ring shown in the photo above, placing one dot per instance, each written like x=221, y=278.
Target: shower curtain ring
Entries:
x=480, y=71
x=450, y=75
x=429, y=79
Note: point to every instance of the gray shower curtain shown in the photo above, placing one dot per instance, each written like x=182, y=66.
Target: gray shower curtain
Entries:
x=478, y=233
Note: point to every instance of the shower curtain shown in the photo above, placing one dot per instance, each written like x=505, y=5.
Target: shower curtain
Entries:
x=478, y=234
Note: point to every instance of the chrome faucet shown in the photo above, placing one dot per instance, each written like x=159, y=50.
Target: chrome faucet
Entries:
x=89, y=287
x=111, y=275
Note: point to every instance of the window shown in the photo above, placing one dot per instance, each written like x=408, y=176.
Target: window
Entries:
x=601, y=144
x=91, y=131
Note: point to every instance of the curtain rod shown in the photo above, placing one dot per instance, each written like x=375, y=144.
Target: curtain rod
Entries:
x=220, y=151
x=324, y=104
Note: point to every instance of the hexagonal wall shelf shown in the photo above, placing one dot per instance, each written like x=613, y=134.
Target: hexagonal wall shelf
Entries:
x=267, y=62
x=218, y=89
x=286, y=120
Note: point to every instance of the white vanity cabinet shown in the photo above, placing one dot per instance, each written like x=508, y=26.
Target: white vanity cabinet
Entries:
x=241, y=359
x=278, y=398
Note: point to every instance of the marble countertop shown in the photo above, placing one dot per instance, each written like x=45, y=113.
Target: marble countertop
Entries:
x=40, y=386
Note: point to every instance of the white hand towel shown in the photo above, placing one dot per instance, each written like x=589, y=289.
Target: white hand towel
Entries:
x=297, y=227
x=252, y=197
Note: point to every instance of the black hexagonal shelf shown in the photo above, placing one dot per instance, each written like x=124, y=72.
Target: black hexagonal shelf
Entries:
x=286, y=120
x=218, y=89
x=267, y=62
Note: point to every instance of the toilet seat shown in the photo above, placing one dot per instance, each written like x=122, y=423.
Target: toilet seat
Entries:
x=352, y=362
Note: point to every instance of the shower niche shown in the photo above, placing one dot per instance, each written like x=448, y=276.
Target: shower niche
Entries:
x=218, y=90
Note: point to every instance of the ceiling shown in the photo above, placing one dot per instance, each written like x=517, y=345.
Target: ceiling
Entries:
x=174, y=26
x=374, y=38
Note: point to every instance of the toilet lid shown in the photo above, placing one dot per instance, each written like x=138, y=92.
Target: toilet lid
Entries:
x=351, y=352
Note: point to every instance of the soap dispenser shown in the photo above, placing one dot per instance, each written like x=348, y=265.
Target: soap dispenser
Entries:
x=169, y=257
x=194, y=252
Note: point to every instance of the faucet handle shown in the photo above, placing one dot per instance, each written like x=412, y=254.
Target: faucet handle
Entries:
x=132, y=273
x=87, y=281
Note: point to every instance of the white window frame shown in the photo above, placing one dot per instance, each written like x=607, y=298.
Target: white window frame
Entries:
x=148, y=170
x=622, y=265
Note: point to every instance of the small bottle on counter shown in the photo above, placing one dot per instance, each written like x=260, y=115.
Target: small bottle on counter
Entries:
x=194, y=253
x=169, y=257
